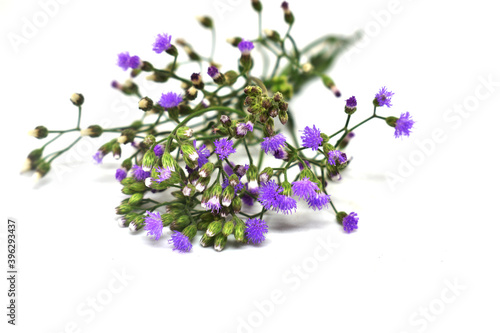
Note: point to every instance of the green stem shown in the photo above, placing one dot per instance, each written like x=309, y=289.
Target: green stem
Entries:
x=248, y=151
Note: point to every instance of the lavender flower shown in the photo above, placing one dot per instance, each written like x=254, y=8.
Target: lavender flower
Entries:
x=125, y=61
x=273, y=143
x=153, y=224
x=120, y=174
x=181, y=242
x=203, y=154
x=351, y=103
x=255, y=230
x=159, y=150
x=243, y=128
x=383, y=97
x=350, y=222
x=164, y=173
x=213, y=71
x=305, y=188
x=170, y=100
x=213, y=204
x=245, y=47
x=98, y=156
x=268, y=195
x=224, y=147
x=162, y=43
x=248, y=199
x=139, y=173
x=318, y=201
x=336, y=155
x=285, y=204
x=404, y=125
x=311, y=138
x=280, y=154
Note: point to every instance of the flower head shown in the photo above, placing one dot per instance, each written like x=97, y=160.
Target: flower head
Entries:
x=164, y=173
x=181, y=242
x=213, y=71
x=243, y=128
x=224, y=147
x=273, y=143
x=170, y=100
x=139, y=173
x=203, y=154
x=213, y=204
x=351, y=103
x=159, y=150
x=245, y=46
x=350, y=222
x=120, y=174
x=318, y=201
x=125, y=61
x=268, y=195
x=404, y=125
x=280, y=154
x=285, y=204
x=255, y=230
x=153, y=224
x=336, y=155
x=383, y=97
x=304, y=188
x=311, y=138
x=98, y=156
x=162, y=43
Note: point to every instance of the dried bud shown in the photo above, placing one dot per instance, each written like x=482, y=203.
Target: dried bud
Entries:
x=191, y=93
x=235, y=41
x=93, y=131
x=272, y=35
x=40, y=132
x=146, y=104
x=77, y=99
x=257, y=5
x=197, y=81
x=205, y=21
x=127, y=136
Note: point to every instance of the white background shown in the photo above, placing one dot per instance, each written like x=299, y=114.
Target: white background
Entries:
x=437, y=227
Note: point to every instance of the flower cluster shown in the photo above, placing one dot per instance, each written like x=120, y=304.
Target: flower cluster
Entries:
x=218, y=157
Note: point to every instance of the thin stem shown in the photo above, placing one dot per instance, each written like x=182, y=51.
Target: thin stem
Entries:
x=248, y=151
x=59, y=153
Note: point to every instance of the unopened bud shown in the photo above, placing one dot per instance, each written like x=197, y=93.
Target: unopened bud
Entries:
x=77, y=99
x=146, y=104
x=40, y=132
x=93, y=131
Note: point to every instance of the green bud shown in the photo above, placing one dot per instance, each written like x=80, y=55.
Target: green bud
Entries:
x=168, y=161
x=228, y=228
x=235, y=41
x=270, y=126
x=137, y=223
x=77, y=99
x=287, y=189
x=207, y=217
x=227, y=196
x=32, y=160
x=190, y=232
x=148, y=160
x=253, y=91
x=127, y=136
x=180, y=223
x=117, y=150
x=231, y=77
x=127, y=164
x=236, y=204
x=234, y=180
x=257, y=5
x=283, y=116
x=93, y=131
x=340, y=217
x=239, y=230
x=206, y=241
x=214, y=228
x=146, y=66
x=391, y=121
x=325, y=138
x=127, y=181
x=206, y=170
x=185, y=133
x=265, y=175
x=288, y=14
x=327, y=147
x=40, y=132
x=172, y=50
x=167, y=219
x=123, y=209
x=252, y=173
x=202, y=226
x=137, y=187
x=272, y=35
x=135, y=199
x=205, y=21
x=191, y=93
x=220, y=242
x=130, y=88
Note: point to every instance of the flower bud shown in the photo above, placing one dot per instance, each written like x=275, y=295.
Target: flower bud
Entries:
x=340, y=217
x=172, y=50
x=350, y=106
x=205, y=21
x=234, y=180
x=42, y=169
x=227, y=196
x=206, y=170
x=180, y=223
x=328, y=82
x=283, y=116
x=270, y=126
x=188, y=190
x=146, y=66
x=220, y=242
x=265, y=175
x=202, y=226
x=32, y=160
x=167, y=219
x=184, y=133
x=148, y=160
x=190, y=232
x=234, y=41
x=149, y=141
x=40, y=132
x=206, y=241
x=345, y=140
x=117, y=151
x=127, y=136
x=197, y=81
x=146, y=104
x=191, y=53
x=225, y=121
x=168, y=161
x=236, y=205
x=93, y=131
x=202, y=184
x=231, y=77
x=257, y=5
x=214, y=228
x=289, y=18
x=228, y=228
x=272, y=35
x=135, y=199
x=324, y=137
x=239, y=230
x=191, y=93
x=77, y=99
x=253, y=91
x=127, y=164
x=252, y=173
x=123, y=209
x=391, y=121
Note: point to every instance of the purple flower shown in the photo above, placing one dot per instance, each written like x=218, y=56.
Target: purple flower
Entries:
x=268, y=194
x=125, y=61
x=98, y=156
x=311, y=138
x=242, y=129
x=159, y=150
x=213, y=204
x=153, y=224
x=350, y=222
x=181, y=242
x=164, y=173
x=120, y=174
x=384, y=97
x=247, y=199
x=301, y=167
x=280, y=154
x=318, y=201
x=245, y=46
x=224, y=147
x=273, y=143
x=351, y=102
x=255, y=230
x=336, y=155
x=170, y=100
x=286, y=204
x=213, y=71
x=404, y=125
x=162, y=43
x=203, y=155
x=305, y=188
x=139, y=173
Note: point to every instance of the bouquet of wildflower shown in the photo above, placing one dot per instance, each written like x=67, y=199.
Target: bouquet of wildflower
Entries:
x=216, y=158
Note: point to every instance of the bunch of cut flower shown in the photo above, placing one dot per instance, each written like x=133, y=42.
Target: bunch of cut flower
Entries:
x=197, y=166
